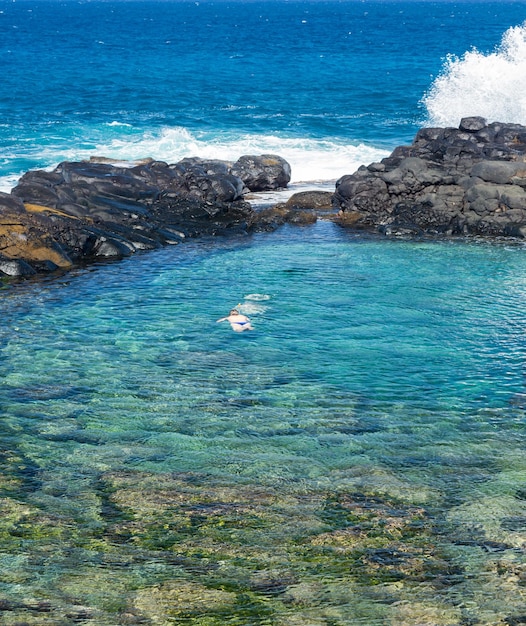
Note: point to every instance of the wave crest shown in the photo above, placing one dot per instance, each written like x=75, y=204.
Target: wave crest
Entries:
x=311, y=160
x=490, y=85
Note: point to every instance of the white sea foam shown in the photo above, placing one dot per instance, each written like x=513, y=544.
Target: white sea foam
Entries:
x=257, y=297
x=491, y=85
x=8, y=182
x=311, y=160
x=252, y=308
x=252, y=304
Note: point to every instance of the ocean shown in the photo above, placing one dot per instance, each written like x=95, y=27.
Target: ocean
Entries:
x=356, y=459
x=328, y=85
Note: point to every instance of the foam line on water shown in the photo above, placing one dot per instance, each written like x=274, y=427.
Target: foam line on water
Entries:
x=311, y=160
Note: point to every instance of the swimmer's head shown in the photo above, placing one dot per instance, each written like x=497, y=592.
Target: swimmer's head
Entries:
x=234, y=312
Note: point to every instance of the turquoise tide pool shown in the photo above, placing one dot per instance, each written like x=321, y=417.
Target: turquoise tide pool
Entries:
x=358, y=458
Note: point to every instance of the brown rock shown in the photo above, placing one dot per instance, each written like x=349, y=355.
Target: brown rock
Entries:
x=311, y=200
x=23, y=238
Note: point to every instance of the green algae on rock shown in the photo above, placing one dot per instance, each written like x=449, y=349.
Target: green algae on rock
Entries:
x=190, y=548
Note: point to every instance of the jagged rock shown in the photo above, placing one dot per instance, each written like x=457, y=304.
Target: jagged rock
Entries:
x=25, y=243
x=16, y=267
x=472, y=124
x=205, y=166
x=470, y=181
x=100, y=209
x=261, y=173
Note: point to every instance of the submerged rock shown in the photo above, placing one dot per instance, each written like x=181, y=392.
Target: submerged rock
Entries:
x=465, y=181
x=180, y=599
x=301, y=208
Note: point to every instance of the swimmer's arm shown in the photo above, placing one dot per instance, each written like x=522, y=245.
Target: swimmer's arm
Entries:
x=223, y=319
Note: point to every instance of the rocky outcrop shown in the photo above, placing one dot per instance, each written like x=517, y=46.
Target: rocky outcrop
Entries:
x=312, y=200
x=262, y=173
x=302, y=208
x=467, y=181
x=86, y=211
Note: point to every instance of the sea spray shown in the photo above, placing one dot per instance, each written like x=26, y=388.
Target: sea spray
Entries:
x=311, y=160
x=490, y=85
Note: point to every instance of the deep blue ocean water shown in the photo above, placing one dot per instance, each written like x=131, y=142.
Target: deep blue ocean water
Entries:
x=358, y=458
x=327, y=84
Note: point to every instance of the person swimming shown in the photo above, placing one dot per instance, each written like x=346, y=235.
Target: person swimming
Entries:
x=238, y=321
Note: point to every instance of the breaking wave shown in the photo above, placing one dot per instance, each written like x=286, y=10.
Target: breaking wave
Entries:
x=491, y=85
x=311, y=160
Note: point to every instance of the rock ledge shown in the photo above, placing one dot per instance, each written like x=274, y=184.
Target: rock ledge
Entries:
x=94, y=210
x=465, y=181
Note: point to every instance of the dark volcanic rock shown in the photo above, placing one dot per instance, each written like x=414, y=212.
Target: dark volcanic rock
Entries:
x=470, y=181
x=86, y=211
x=260, y=173
x=313, y=200
x=301, y=208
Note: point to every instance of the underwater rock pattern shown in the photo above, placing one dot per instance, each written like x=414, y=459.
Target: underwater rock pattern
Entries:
x=190, y=548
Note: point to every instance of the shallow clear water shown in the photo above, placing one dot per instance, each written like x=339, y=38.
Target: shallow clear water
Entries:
x=358, y=458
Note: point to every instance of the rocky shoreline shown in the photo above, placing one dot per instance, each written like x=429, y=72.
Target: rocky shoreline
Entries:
x=83, y=212
x=448, y=182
